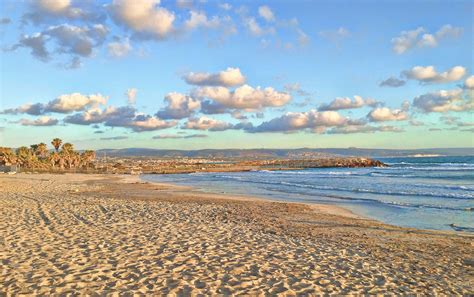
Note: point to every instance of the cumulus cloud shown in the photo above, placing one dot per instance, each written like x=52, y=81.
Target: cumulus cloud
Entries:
x=295, y=88
x=255, y=28
x=179, y=106
x=72, y=40
x=110, y=115
x=48, y=10
x=429, y=74
x=199, y=19
x=144, y=17
x=124, y=116
x=469, y=83
x=226, y=78
x=205, y=123
x=62, y=104
x=392, y=82
x=37, y=44
x=41, y=121
x=28, y=108
x=75, y=102
x=312, y=120
x=147, y=123
x=364, y=129
x=244, y=97
x=266, y=13
x=131, y=96
x=444, y=101
x=173, y=136
x=382, y=114
x=417, y=38
x=347, y=103
x=119, y=49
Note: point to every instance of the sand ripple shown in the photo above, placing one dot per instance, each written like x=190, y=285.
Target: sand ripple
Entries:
x=84, y=234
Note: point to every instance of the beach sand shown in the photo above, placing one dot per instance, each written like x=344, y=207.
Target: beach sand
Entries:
x=95, y=234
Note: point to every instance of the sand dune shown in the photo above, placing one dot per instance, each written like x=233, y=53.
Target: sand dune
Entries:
x=99, y=234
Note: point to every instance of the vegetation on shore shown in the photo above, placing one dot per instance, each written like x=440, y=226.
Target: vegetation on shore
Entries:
x=39, y=156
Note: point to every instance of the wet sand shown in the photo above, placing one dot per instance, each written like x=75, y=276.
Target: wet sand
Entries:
x=95, y=234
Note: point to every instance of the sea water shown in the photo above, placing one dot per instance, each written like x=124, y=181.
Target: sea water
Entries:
x=425, y=192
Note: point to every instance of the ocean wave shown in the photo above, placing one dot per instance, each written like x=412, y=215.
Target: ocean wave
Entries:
x=397, y=203
x=371, y=191
x=433, y=168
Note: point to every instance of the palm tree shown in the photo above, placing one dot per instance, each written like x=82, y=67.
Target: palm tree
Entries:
x=25, y=156
x=68, y=154
x=54, y=159
x=87, y=157
x=42, y=150
x=56, y=143
x=67, y=148
x=7, y=156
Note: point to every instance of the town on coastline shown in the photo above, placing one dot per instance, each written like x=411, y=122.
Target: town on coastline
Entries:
x=62, y=157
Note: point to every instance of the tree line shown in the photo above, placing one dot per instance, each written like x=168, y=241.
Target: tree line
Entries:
x=40, y=156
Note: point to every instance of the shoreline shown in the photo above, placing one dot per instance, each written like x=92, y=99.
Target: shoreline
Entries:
x=80, y=234
x=328, y=207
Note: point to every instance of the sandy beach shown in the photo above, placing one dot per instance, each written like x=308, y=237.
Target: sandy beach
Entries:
x=95, y=234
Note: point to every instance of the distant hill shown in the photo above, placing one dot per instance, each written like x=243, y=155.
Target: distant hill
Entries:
x=282, y=153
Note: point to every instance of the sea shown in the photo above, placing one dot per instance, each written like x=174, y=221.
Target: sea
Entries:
x=419, y=192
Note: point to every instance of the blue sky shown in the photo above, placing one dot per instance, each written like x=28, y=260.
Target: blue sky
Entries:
x=194, y=69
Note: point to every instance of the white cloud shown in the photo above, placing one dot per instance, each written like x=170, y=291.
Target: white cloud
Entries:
x=119, y=49
x=347, y=103
x=205, y=123
x=226, y=78
x=295, y=121
x=131, y=96
x=72, y=40
x=50, y=10
x=303, y=38
x=382, y=114
x=415, y=38
x=54, y=6
x=62, y=104
x=255, y=29
x=444, y=101
x=179, y=106
x=429, y=74
x=28, y=108
x=148, y=123
x=392, y=82
x=469, y=83
x=145, y=17
x=199, y=19
x=41, y=121
x=265, y=12
x=124, y=116
x=74, y=102
x=244, y=97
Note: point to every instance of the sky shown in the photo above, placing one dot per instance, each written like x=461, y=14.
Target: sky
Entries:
x=193, y=74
